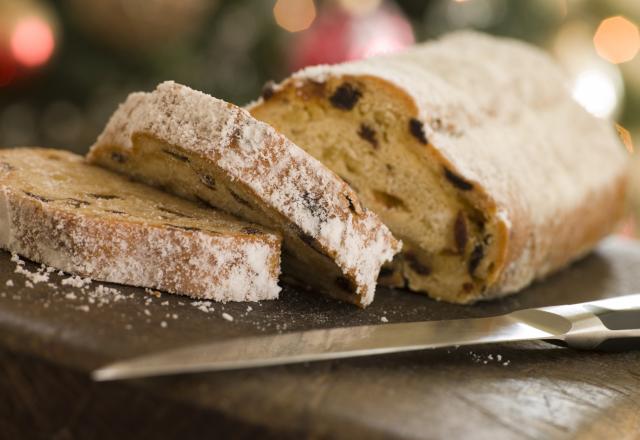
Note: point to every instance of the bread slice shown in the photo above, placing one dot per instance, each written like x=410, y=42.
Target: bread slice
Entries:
x=471, y=149
x=58, y=210
x=202, y=148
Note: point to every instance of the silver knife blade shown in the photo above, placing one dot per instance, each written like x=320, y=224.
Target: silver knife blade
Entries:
x=336, y=343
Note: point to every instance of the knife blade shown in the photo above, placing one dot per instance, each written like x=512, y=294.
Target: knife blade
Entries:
x=585, y=325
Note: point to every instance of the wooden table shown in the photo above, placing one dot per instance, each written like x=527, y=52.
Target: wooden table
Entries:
x=52, y=336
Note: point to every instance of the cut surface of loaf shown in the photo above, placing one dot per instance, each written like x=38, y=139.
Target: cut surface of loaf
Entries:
x=202, y=148
x=471, y=149
x=58, y=210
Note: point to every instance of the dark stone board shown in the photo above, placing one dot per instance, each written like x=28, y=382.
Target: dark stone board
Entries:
x=52, y=336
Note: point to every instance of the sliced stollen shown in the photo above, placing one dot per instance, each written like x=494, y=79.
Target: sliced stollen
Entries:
x=471, y=149
x=205, y=149
x=58, y=210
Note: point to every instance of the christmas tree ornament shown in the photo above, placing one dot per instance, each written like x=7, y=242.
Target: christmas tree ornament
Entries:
x=343, y=32
x=28, y=38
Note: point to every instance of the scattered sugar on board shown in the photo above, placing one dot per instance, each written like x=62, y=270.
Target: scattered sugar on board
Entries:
x=9, y=283
x=204, y=306
x=486, y=359
x=163, y=324
x=384, y=319
x=76, y=281
x=227, y=317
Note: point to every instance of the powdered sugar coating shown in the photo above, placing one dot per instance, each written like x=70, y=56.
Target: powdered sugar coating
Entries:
x=213, y=265
x=501, y=114
x=284, y=177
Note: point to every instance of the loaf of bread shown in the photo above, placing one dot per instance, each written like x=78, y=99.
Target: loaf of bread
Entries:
x=58, y=210
x=471, y=149
x=205, y=149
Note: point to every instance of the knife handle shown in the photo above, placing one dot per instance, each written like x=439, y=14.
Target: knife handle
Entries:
x=605, y=329
x=618, y=320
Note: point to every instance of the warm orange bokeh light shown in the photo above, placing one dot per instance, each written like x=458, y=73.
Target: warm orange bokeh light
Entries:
x=625, y=137
x=294, y=15
x=617, y=40
x=32, y=42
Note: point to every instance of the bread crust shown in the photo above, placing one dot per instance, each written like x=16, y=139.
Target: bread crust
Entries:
x=550, y=204
x=288, y=188
x=89, y=240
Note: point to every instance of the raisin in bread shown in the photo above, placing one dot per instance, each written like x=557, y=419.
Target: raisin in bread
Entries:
x=202, y=148
x=58, y=210
x=473, y=152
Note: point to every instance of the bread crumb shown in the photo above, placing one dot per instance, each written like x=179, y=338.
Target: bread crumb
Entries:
x=384, y=319
x=9, y=283
x=163, y=324
x=29, y=284
x=147, y=312
x=83, y=308
x=249, y=308
x=227, y=317
x=71, y=295
x=174, y=316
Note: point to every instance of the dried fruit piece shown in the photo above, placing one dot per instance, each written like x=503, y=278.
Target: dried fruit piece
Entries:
x=352, y=206
x=416, y=265
x=186, y=228
x=239, y=199
x=172, y=212
x=37, y=197
x=345, y=97
x=268, y=90
x=476, y=257
x=103, y=196
x=368, y=134
x=457, y=181
x=116, y=156
x=460, y=232
x=207, y=181
x=176, y=156
x=417, y=130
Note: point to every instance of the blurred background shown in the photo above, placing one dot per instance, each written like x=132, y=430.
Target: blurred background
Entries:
x=66, y=64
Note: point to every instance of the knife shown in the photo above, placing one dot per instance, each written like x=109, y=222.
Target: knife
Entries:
x=612, y=323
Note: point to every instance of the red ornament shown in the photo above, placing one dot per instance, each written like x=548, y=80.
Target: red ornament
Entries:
x=27, y=38
x=338, y=35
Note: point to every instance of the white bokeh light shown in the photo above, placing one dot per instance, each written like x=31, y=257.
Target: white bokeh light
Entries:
x=597, y=92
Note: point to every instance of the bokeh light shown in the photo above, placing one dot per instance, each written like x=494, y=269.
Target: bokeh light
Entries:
x=617, y=40
x=625, y=137
x=32, y=41
x=294, y=15
x=360, y=7
x=596, y=92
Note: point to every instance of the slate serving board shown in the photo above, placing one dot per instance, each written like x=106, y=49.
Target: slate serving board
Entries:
x=52, y=335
